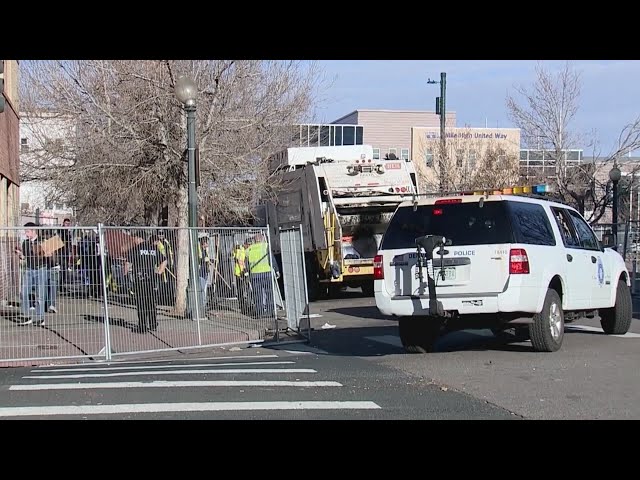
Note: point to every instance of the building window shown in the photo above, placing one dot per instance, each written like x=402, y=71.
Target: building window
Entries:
x=348, y=135
x=459, y=158
x=376, y=154
x=394, y=151
x=24, y=145
x=472, y=159
x=524, y=155
x=359, y=135
x=535, y=155
x=573, y=155
x=404, y=154
x=550, y=157
x=313, y=136
x=304, y=136
x=324, y=136
x=338, y=141
x=429, y=157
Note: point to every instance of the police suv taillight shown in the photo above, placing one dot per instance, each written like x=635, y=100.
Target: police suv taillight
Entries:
x=518, y=261
x=378, y=269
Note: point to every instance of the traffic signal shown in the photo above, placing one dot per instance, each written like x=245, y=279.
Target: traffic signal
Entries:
x=1, y=86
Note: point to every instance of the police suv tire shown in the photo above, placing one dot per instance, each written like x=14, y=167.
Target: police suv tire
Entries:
x=419, y=334
x=617, y=320
x=547, y=320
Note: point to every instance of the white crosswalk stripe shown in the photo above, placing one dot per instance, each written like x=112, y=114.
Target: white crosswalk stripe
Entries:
x=166, y=384
x=258, y=372
x=184, y=407
x=152, y=367
x=180, y=372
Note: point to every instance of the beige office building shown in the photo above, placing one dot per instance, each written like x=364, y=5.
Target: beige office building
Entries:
x=475, y=157
x=390, y=131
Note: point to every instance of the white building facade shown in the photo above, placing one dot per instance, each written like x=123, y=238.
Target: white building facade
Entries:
x=46, y=141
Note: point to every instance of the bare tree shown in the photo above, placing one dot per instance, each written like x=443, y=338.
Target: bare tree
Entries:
x=475, y=159
x=126, y=159
x=545, y=113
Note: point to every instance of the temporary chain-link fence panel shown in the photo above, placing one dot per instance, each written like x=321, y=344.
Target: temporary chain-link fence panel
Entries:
x=295, y=281
x=99, y=292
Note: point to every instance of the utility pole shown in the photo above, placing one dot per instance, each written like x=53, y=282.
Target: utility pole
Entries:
x=441, y=109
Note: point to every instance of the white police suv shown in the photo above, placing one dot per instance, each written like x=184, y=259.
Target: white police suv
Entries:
x=498, y=261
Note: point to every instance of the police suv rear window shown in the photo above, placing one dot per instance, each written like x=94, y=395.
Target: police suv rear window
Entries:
x=462, y=223
x=530, y=224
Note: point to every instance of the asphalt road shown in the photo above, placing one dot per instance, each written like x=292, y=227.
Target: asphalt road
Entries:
x=593, y=376
x=290, y=385
x=355, y=369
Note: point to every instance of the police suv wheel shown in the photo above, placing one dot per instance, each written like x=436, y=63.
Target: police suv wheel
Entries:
x=617, y=320
x=419, y=334
x=547, y=329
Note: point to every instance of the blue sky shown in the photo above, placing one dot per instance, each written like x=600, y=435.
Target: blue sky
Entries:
x=477, y=89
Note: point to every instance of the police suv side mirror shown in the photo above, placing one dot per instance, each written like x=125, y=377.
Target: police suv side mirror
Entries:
x=607, y=240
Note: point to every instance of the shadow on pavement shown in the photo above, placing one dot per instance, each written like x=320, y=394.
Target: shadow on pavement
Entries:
x=119, y=322
x=380, y=341
x=370, y=313
x=362, y=341
x=14, y=316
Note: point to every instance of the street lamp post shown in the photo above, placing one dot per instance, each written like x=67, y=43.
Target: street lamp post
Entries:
x=614, y=176
x=441, y=109
x=186, y=91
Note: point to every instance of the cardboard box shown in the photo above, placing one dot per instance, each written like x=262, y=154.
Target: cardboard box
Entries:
x=51, y=245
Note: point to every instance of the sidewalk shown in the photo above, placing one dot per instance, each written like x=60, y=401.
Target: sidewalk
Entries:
x=78, y=329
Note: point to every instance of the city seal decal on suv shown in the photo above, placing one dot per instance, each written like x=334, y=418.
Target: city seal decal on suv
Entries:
x=600, y=271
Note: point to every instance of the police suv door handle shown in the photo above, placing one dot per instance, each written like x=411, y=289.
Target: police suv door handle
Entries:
x=569, y=257
x=593, y=259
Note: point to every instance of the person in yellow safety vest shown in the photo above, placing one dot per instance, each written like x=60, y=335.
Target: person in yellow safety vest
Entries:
x=261, y=265
x=164, y=247
x=240, y=273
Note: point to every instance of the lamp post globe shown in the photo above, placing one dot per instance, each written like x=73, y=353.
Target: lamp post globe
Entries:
x=615, y=174
x=186, y=90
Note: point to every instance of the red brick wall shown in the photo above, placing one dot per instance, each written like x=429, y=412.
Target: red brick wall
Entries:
x=9, y=144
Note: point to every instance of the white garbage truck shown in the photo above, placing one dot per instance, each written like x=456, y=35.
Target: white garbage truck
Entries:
x=343, y=199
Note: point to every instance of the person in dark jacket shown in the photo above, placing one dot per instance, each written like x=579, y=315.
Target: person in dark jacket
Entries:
x=147, y=264
x=35, y=275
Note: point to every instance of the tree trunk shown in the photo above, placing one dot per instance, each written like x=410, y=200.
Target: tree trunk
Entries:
x=151, y=214
x=182, y=251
